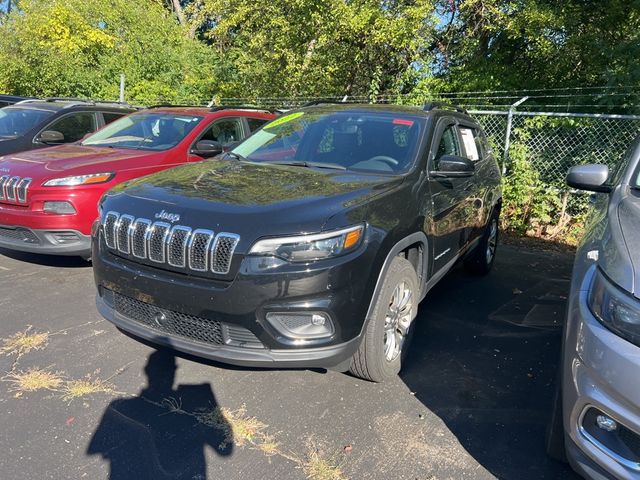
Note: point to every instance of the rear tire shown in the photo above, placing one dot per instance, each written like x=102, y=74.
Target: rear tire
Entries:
x=389, y=329
x=480, y=260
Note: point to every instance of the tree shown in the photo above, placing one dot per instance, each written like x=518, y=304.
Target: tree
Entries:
x=319, y=47
x=79, y=48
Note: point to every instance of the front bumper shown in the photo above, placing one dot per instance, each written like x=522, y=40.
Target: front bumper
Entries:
x=50, y=242
x=600, y=371
x=340, y=287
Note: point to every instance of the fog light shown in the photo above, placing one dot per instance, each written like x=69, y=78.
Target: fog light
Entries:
x=61, y=208
x=302, y=325
x=606, y=423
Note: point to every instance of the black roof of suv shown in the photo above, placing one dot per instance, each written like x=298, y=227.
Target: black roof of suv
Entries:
x=66, y=120
x=309, y=244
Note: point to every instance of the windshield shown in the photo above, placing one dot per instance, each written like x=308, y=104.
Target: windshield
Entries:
x=353, y=140
x=15, y=122
x=145, y=131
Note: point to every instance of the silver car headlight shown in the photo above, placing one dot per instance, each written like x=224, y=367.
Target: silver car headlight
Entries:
x=306, y=248
x=614, y=308
x=79, y=180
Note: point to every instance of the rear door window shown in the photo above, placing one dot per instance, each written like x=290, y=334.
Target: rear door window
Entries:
x=110, y=117
x=224, y=131
x=256, y=123
x=471, y=143
x=74, y=126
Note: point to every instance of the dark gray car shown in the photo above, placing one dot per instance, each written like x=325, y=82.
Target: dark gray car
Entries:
x=31, y=124
x=596, y=419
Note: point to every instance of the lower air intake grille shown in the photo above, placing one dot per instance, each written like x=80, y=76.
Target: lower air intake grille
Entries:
x=180, y=324
x=19, y=234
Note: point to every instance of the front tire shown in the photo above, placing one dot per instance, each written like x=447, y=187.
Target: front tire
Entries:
x=480, y=260
x=388, y=332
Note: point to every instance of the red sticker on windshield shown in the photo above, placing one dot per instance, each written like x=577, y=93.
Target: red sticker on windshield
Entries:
x=400, y=121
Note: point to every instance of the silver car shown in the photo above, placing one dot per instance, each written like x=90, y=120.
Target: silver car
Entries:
x=596, y=414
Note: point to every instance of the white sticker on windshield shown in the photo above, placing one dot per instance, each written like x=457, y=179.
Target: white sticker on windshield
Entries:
x=469, y=144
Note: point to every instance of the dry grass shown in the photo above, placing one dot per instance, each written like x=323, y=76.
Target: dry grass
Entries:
x=317, y=467
x=73, y=389
x=236, y=425
x=24, y=342
x=33, y=379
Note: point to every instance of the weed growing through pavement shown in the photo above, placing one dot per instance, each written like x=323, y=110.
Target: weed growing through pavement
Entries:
x=32, y=380
x=317, y=466
x=73, y=389
x=24, y=342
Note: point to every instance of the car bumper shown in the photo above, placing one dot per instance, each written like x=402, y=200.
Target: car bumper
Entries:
x=600, y=372
x=50, y=242
x=155, y=304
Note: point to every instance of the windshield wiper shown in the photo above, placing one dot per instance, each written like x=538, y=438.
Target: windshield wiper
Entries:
x=301, y=163
x=235, y=155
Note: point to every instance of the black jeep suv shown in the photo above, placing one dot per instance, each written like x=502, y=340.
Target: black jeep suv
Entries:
x=33, y=123
x=310, y=244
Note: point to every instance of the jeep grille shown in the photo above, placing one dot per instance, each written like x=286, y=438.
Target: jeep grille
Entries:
x=178, y=246
x=14, y=189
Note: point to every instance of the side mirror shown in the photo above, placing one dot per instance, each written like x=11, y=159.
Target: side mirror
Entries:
x=51, y=137
x=589, y=177
x=207, y=148
x=453, y=166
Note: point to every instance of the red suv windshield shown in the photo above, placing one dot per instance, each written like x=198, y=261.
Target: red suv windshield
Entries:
x=145, y=131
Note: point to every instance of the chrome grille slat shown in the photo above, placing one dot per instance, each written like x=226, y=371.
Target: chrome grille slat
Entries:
x=10, y=189
x=199, y=250
x=21, y=189
x=177, y=246
x=223, y=248
x=122, y=233
x=3, y=180
x=110, y=222
x=199, y=244
x=156, y=239
x=138, y=233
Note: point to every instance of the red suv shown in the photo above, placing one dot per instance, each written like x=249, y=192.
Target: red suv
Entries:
x=49, y=197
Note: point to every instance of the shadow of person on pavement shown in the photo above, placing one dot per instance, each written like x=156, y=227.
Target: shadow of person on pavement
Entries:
x=157, y=434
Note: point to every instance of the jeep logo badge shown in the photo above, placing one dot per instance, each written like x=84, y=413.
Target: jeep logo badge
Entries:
x=169, y=217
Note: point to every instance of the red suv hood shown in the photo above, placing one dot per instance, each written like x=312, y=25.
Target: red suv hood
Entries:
x=76, y=160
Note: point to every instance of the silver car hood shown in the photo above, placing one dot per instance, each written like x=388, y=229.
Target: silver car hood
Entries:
x=629, y=218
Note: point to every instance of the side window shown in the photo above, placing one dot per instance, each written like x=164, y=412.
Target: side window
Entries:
x=224, y=131
x=110, y=117
x=256, y=123
x=449, y=144
x=470, y=142
x=74, y=126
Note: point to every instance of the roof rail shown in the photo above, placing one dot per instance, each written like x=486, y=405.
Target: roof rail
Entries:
x=323, y=102
x=444, y=106
x=217, y=108
x=169, y=105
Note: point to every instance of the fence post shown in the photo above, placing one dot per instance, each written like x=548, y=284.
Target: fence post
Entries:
x=122, y=88
x=507, y=137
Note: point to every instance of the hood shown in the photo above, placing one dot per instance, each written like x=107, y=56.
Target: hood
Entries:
x=249, y=199
x=74, y=159
x=616, y=228
x=629, y=217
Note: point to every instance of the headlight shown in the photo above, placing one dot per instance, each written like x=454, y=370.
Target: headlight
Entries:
x=615, y=308
x=306, y=248
x=80, y=180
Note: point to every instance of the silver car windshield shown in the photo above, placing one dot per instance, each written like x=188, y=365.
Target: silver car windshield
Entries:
x=145, y=131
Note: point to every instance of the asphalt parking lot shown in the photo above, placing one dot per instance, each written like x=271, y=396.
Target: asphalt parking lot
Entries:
x=81, y=400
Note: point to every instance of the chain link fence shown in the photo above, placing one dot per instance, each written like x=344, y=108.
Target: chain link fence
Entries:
x=557, y=141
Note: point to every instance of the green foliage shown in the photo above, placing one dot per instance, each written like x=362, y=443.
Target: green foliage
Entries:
x=534, y=207
x=321, y=47
x=79, y=48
